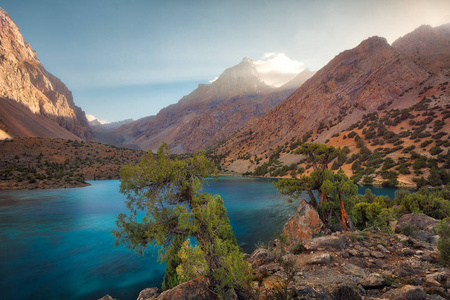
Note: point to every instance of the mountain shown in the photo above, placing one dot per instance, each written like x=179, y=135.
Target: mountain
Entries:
x=24, y=80
x=370, y=77
x=209, y=114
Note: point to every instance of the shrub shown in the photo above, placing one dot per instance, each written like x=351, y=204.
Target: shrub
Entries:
x=298, y=248
x=443, y=244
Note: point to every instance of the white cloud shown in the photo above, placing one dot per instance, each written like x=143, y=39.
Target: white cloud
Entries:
x=93, y=118
x=277, y=68
x=214, y=79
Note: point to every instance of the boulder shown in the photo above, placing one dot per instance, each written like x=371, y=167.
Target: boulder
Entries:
x=316, y=292
x=409, y=292
x=373, y=281
x=344, y=292
x=106, y=297
x=320, y=259
x=196, y=289
x=422, y=227
x=351, y=269
x=325, y=242
x=149, y=293
x=261, y=257
x=303, y=224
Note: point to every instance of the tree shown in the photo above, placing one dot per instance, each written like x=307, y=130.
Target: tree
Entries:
x=329, y=186
x=166, y=204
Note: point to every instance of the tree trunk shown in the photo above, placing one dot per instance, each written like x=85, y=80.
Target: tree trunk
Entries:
x=345, y=219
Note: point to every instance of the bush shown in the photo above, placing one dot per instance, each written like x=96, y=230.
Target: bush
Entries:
x=298, y=248
x=443, y=244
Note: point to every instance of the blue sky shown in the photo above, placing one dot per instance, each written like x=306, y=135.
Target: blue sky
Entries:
x=128, y=59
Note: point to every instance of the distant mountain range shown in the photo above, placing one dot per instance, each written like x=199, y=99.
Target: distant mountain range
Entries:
x=237, y=116
x=25, y=81
x=374, y=76
x=208, y=115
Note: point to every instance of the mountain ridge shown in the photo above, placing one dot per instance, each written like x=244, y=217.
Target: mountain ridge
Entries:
x=25, y=80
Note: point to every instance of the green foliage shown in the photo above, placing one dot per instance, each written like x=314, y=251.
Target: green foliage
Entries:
x=173, y=260
x=298, y=248
x=164, y=199
x=443, y=244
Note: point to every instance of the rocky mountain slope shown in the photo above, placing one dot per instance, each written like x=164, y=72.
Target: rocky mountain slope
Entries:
x=372, y=77
x=209, y=114
x=24, y=80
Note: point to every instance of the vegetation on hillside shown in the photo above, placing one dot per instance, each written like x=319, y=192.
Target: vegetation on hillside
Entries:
x=410, y=144
x=54, y=163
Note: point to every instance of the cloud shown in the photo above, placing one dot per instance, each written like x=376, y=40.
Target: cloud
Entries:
x=277, y=68
x=214, y=79
x=93, y=118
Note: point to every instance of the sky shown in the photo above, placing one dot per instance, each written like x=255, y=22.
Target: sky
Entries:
x=129, y=58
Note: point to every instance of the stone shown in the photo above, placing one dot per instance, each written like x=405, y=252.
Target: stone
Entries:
x=316, y=292
x=344, y=292
x=320, y=259
x=373, y=281
x=407, y=252
x=424, y=226
x=106, y=297
x=269, y=268
x=406, y=292
x=325, y=242
x=377, y=254
x=304, y=224
x=382, y=248
x=261, y=257
x=351, y=269
x=196, y=289
x=149, y=293
x=353, y=252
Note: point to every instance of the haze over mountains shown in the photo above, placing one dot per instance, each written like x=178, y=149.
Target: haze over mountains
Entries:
x=238, y=111
x=208, y=115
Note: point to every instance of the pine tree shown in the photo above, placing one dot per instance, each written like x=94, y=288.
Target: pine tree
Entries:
x=168, y=192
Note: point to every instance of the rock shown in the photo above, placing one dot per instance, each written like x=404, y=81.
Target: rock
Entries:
x=353, y=252
x=303, y=224
x=382, y=248
x=325, y=242
x=344, y=292
x=149, y=293
x=261, y=257
x=320, y=259
x=407, y=252
x=422, y=227
x=377, y=254
x=351, y=269
x=196, y=289
x=106, y=297
x=406, y=292
x=269, y=268
x=316, y=292
x=373, y=281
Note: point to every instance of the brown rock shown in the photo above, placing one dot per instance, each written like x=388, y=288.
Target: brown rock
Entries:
x=197, y=289
x=406, y=292
x=106, y=297
x=261, y=257
x=424, y=226
x=320, y=259
x=373, y=281
x=351, y=269
x=325, y=242
x=149, y=293
x=303, y=224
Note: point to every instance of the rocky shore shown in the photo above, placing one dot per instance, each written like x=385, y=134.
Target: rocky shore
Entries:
x=308, y=264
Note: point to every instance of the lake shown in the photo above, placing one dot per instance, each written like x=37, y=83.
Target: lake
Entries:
x=57, y=244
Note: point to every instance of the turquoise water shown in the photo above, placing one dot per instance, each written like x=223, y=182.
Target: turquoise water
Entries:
x=57, y=244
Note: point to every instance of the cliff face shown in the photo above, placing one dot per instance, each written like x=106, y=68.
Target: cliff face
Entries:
x=24, y=80
x=369, y=77
x=210, y=114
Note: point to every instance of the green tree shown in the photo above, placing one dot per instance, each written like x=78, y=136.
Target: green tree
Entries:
x=166, y=203
x=329, y=186
x=443, y=244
